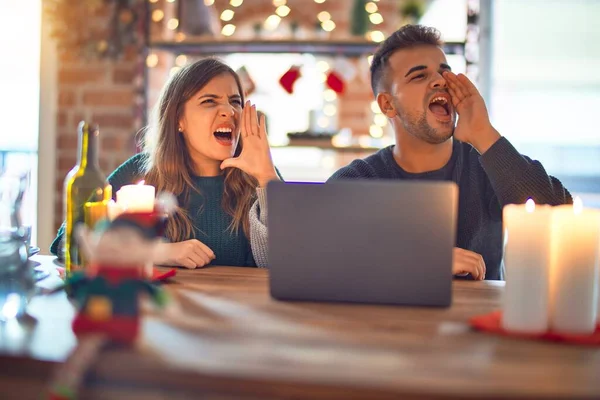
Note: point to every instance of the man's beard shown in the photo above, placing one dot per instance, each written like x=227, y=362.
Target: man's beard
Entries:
x=417, y=126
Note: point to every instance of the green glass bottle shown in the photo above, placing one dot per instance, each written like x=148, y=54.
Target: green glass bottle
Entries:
x=85, y=189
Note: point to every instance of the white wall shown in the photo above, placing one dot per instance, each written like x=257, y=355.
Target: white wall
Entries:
x=20, y=36
x=47, y=141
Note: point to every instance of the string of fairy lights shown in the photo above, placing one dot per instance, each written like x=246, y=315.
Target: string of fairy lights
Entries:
x=282, y=10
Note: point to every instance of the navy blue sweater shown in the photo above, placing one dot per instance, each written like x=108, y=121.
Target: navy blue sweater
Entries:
x=486, y=183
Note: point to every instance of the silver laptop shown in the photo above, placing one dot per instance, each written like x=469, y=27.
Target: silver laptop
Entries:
x=384, y=242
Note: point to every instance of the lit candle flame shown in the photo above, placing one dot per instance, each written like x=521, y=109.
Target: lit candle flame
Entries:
x=530, y=205
x=141, y=182
x=577, y=205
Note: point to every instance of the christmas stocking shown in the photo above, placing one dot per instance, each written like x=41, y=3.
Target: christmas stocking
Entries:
x=289, y=78
x=247, y=82
x=335, y=82
x=342, y=72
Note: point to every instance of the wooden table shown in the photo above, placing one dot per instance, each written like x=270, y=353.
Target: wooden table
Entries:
x=225, y=338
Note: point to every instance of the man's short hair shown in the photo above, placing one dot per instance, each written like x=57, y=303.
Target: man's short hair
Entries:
x=404, y=38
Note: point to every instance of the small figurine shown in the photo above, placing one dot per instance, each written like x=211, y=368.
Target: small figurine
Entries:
x=119, y=254
x=107, y=293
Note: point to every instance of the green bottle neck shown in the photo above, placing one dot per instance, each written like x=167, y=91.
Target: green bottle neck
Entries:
x=87, y=156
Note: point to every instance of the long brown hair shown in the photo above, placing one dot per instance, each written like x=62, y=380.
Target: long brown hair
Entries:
x=170, y=168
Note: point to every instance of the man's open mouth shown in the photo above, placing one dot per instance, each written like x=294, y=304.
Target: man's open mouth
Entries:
x=224, y=136
x=440, y=107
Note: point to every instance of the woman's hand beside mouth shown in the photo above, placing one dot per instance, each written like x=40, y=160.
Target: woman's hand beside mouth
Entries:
x=255, y=158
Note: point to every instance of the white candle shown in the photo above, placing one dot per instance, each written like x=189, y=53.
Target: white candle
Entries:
x=136, y=198
x=574, y=268
x=113, y=210
x=527, y=262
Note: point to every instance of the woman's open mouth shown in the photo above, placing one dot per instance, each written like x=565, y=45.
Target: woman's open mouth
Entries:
x=224, y=136
x=441, y=108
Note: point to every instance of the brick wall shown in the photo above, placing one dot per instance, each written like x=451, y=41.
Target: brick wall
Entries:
x=103, y=92
x=107, y=91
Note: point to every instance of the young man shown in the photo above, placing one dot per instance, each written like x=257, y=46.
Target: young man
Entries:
x=421, y=97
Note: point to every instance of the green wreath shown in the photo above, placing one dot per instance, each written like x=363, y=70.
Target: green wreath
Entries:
x=96, y=28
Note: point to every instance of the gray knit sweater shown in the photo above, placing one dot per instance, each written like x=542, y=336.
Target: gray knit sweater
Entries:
x=258, y=229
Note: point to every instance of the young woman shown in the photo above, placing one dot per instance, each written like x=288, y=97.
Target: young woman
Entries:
x=207, y=147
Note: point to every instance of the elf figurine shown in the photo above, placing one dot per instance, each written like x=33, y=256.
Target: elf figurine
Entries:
x=107, y=292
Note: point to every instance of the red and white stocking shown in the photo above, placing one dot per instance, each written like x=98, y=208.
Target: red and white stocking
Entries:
x=338, y=77
x=289, y=78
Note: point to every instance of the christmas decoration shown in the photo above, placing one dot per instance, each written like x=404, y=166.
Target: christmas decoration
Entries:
x=247, y=82
x=107, y=292
x=343, y=71
x=68, y=378
x=412, y=10
x=73, y=29
x=335, y=82
x=196, y=18
x=289, y=78
x=359, y=23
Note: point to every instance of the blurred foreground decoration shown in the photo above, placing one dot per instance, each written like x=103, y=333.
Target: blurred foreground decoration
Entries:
x=107, y=293
x=96, y=28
